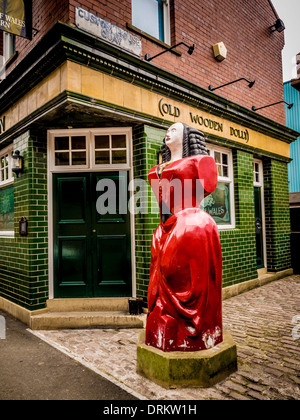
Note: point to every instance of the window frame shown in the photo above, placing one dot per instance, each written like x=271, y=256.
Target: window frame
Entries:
x=10, y=181
x=9, y=46
x=258, y=183
x=7, y=151
x=165, y=22
x=229, y=179
x=90, y=135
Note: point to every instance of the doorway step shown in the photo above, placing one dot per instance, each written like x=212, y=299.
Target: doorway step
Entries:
x=86, y=313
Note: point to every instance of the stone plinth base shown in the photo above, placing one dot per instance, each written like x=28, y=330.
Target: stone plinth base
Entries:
x=200, y=369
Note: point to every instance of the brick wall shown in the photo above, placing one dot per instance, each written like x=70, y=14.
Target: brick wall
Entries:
x=24, y=260
x=243, y=25
x=45, y=14
x=146, y=144
x=277, y=215
x=238, y=245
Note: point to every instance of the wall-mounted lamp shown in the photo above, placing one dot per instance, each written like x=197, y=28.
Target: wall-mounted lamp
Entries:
x=275, y=103
x=23, y=226
x=250, y=84
x=190, y=50
x=17, y=163
x=278, y=26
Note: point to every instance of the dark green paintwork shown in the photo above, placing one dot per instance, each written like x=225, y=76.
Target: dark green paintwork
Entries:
x=91, y=251
x=258, y=227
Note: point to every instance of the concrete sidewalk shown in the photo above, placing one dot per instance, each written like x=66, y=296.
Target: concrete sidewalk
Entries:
x=260, y=321
x=30, y=369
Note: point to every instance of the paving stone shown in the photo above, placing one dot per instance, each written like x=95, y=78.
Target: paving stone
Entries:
x=260, y=322
x=237, y=396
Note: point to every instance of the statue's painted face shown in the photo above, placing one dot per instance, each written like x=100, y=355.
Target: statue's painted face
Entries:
x=174, y=134
x=174, y=139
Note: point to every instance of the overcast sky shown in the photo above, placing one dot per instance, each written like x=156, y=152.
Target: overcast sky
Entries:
x=289, y=12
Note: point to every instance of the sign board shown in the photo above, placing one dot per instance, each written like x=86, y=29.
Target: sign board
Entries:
x=16, y=17
x=105, y=30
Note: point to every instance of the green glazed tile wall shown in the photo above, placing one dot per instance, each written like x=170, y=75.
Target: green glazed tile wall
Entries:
x=277, y=213
x=239, y=244
x=24, y=260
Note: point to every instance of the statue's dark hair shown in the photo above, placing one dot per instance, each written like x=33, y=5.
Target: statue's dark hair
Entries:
x=193, y=144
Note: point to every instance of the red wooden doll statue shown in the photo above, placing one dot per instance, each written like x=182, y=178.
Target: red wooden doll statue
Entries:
x=185, y=288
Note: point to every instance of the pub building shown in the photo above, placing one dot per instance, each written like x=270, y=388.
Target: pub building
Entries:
x=87, y=94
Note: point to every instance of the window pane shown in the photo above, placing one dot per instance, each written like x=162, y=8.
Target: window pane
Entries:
x=224, y=159
x=219, y=167
x=218, y=157
x=62, y=159
x=78, y=142
x=217, y=204
x=119, y=156
x=118, y=142
x=61, y=143
x=102, y=158
x=101, y=142
x=7, y=209
x=147, y=15
x=225, y=170
x=79, y=158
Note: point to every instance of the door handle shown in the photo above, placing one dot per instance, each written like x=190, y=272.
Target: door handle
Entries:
x=94, y=230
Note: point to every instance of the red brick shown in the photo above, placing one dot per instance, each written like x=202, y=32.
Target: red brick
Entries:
x=243, y=26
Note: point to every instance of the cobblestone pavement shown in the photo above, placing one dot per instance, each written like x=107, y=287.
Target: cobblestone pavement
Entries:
x=262, y=323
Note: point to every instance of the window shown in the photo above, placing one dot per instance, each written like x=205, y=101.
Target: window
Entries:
x=220, y=204
x=9, y=45
x=152, y=17
x=110, y=149
x=70, y=151
x=89, y=149
x=6, y=193
x=257, y=173
x=6, y=176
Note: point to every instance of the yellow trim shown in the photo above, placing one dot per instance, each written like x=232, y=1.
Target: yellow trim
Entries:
x=92, y=83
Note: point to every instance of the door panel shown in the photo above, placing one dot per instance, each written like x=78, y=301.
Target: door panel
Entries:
x=112, y=260
x=92, y=255
x=112, y=241
x=73, y=198
x=72, y=261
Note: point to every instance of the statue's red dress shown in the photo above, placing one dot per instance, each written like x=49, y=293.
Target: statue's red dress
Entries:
x=185, y=288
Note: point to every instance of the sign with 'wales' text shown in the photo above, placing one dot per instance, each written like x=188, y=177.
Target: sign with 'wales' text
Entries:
x=16, y=17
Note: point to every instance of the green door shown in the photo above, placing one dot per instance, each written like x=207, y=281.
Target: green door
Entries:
x=258, y=228
x=91, y=252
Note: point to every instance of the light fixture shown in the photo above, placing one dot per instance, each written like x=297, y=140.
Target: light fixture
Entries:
x=17, y=163
x=250, y=84
x=278, y=25
x=190, y=50
x=275, y=103
x=23, y=226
